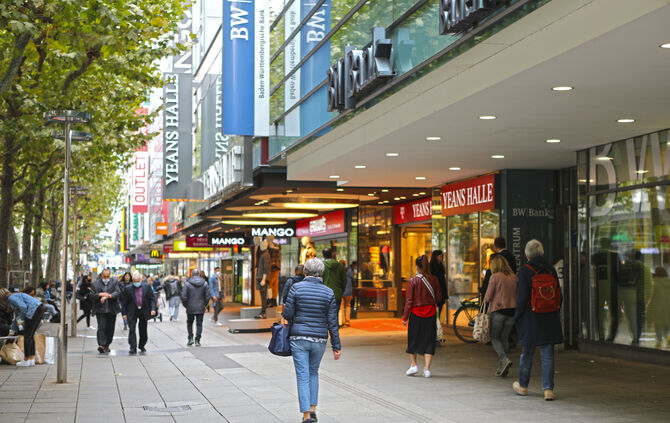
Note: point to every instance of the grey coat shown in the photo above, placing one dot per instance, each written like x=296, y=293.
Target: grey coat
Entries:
x=195, y=295
x=109, y=306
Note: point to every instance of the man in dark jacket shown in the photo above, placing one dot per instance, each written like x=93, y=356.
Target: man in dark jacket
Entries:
x=139, y=305
x=105, y=295
x=500, y=248
x=195, y=297
x=535, y=329
x=334, y=275
x=172, y=288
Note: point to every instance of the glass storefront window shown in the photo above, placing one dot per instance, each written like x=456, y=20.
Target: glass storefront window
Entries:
x=376, y=290
x=415, y=240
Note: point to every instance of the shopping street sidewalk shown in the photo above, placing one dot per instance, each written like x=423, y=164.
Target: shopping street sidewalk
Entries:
x=233, y=378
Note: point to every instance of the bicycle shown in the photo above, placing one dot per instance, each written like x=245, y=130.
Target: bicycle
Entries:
x=464, y=319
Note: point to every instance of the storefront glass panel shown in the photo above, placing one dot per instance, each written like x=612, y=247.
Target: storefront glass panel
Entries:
x=375, y=255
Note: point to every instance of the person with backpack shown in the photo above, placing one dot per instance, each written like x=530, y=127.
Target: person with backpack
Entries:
x=538, y=318
x=172, y=289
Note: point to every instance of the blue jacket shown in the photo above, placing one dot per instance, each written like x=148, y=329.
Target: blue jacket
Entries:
x=312, y=308
x=214, y=288
x=535, y=329
x=24, y=307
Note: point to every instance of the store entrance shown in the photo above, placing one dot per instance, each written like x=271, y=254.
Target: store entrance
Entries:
x=415, y=241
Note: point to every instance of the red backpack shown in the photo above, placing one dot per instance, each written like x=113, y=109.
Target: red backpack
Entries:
x=545, y=292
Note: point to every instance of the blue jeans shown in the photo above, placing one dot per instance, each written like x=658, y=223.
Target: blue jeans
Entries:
x=307, y=357
x=174, y=306
x=547, y=360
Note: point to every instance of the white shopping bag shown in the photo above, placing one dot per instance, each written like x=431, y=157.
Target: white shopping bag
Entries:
x=50, y=351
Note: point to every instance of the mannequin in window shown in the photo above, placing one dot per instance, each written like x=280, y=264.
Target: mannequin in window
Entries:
x=275, y=268
x=263, y=277
x=308, y=251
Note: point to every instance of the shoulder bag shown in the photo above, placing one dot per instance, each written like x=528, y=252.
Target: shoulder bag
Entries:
x=279, y=343
x=481, y=331
x=440, y=335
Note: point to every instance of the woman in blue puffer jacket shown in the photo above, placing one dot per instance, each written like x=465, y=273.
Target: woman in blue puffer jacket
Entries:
x=312, y=309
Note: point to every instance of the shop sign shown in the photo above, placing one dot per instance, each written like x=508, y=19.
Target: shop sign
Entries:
x=276, y=231
x=412, y=211
x=460, y=15
x=161, y=228
x=225, y=171
x=197, y=241
x=139, y=182
x=227, y=239
x=155, y=254
x=168, y=248
x=359, y=72
x=326, y=224
x=469, y=196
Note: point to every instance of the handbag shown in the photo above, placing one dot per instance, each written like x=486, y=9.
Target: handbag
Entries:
x=440, y=335
x=481, y=331
x=11, y=353
x=279, y=343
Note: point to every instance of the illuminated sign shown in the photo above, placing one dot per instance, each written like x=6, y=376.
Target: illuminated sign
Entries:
x=469, y=196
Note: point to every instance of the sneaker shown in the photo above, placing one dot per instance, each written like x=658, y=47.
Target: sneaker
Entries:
x=101, y=349
x=197, y=342
x=190, y=343
x=142, y=349
x=519, y=390
x=412, y=370
x=426, y=373
x=32, y=362
x=132, y=351
x=91, y=328
x=107, y=349
x=219, y=324
x=505, y=368
x=24, y=363
x=549, y=395
x=312, y=415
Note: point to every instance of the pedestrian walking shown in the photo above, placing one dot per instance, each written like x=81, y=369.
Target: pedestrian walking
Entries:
x=423, y=290
x=84, y=297
x=501, y=295
x=28, y=312
x=537, y=329
x=105, y=295
x=437, y=269
x=499, y=248
x=126, y=280
x=348, y=294
x=312, y=310
x=195, y=297
x=216, y=293
x=298, y=275
x=334, y=275
x=263, y=277
x=139, y=305
x=172, y=289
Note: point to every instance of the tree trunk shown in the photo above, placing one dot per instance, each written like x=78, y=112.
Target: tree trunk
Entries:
x=14, y=257
x=28, y=218
x=6, y=207
x=36, y=254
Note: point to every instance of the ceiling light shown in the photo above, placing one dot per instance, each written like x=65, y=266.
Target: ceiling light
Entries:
x=254, y=222
x=420, y=178
x=454, y=168
x=641, y=171
x=318, y=206
x=396, y=198
x=385, y=190
x=433, y=138
x=604, y=158
x=497, y=156
x=334, y=176
x=392, y=154
x=371, y=195
x=339, y=189
x=553, y=141
x=288, y=191
x=487, y=117
x=415, y=195
x=665, y=45
x=280, y=215
x=386, y=201
x=380, y=202
x=422, y=193
x=626, y=120
x=562, y=88
x=403, y=198
x=360, y=166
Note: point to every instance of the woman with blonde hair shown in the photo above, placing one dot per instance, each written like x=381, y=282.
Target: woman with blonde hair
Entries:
x=501, y=295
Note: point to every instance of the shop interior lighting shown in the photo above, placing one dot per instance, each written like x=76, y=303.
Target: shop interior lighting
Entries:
x=360, y=167
x=433, y=138
x=665, y=45
x=280, y=215
x=334, y=176
x=497, y=156
x=318, y=206
x=487, y=117
x=254, y=222
x=553, y=141
x=562, y=88
x=625, y=120
x=392, y=154
x=454, y=168
x=215, y=229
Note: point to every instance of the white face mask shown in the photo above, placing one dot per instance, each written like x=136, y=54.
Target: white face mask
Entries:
x=218, y=273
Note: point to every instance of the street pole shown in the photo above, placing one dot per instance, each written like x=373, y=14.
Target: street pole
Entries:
x=73, y=330
x=61, y=373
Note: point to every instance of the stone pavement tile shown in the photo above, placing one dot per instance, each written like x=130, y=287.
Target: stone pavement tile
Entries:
x=50, y=417
x=14, y=407
x=10, y=417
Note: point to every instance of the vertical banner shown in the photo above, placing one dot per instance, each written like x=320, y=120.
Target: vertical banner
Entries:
x=139, y=182
x=313, y=112
x=246, y=67
x=292, y=56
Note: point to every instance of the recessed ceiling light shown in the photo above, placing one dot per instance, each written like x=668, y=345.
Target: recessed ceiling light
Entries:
x=339, y=189
x=371, y=194
x=254, y=222
x=403, y=198
x=380, y=202
x=665, y=45
x=641, y=171
x=487, y=117
x=415, y=195
x=420, y=178
x=562, y=88
x=396, y=198
x=422, y=193
x=392, y=154
x=360, y=166
x=385, y=190
x=625, y=120
x=334, y=176
x=604, y=158
x=386, y=201
x=288, y=191
x=433, y=138
x=553, y=141
x=280, y=215
x=317, y=206
x=497, y=156
x=454, y=168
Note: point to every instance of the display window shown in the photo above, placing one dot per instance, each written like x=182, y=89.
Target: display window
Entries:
x=376, y=290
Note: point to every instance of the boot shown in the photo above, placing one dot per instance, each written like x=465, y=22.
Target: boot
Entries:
x=190, y=341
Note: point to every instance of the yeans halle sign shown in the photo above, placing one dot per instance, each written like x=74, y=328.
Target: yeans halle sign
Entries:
x=469, y=196
x=412, y=211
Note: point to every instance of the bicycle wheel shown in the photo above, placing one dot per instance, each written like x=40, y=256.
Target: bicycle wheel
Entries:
x=464, y=322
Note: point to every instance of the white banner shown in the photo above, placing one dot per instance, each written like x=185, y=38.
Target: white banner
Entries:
x=139, y=183
x=292, y=57
x=261, y=68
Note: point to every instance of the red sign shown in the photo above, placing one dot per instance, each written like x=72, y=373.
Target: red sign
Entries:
x=469, y=196
x=326, y=224
x=168, y=248
x=161, y=228
x=194, y=241
x=412, y=211
x=139, y=190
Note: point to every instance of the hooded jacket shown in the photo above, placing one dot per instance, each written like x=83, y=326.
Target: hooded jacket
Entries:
x=535, y=329
x=195, y=295
x=335, y=277
x=312, y=308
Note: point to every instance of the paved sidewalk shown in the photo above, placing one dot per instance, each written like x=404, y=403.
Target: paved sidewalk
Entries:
x=232, y=378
